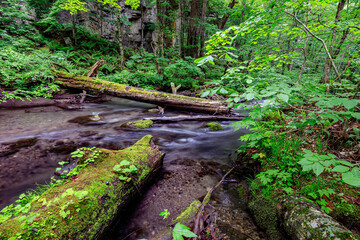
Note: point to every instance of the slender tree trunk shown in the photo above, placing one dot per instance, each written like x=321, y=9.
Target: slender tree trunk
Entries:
x=142, y=6
x=160, y=22
x=181, y=27
x=227, y=15
x=305, y=58
x=120, y=39
x=74, y=31
x=202, y=28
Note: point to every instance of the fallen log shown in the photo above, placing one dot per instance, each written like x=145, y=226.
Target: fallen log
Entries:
x=302, y=220
x=87, y=204
x=143, y=95
x=183, y=118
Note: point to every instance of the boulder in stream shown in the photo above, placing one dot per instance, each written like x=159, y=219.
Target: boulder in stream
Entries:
x=147, y=123
x=85, y=205
x=12, y=147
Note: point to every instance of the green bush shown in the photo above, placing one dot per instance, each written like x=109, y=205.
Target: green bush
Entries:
x=184, y=73
x=148, y=79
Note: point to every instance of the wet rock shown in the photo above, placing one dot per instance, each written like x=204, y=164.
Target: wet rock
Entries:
x=69, y=106
x=13, y=147
x=214, y=126
x=87, y=133
x=137, y=124
x=63, y=149
x=88, y=120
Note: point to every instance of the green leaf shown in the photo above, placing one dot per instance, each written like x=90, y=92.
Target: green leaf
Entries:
x=117, y=168
x=318, y=168
x=355, y=115
x=124, y=163
x=350, y=104
x=181, y=230
x=249, y=96
x=123, y=178
x=340, y=169
x=346, y=163
x=204, y=94
x=350, y=179
x=283, y=97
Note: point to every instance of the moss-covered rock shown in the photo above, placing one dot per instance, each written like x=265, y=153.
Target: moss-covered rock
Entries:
x=85, y=205
x=138, y=124
x=214, y=126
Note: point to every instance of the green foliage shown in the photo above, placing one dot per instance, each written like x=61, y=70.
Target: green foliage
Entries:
x=125, y=170
x=26, y=74
x=180, y=231
x=184, y=73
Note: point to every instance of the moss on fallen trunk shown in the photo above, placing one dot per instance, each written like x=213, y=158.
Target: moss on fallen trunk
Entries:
x=84, y=206
x=138, y=94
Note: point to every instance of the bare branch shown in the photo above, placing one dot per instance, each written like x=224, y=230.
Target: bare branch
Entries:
x=321, y=40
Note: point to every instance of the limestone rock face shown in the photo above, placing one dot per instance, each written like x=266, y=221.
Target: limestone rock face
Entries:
x=102, y=20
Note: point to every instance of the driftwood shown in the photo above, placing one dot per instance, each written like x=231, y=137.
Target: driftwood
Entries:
x=143, y=95
x=86, y=205
x=302, y=220
x=183, y=118
x=95, y=68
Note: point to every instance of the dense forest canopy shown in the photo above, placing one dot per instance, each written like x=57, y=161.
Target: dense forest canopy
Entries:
x=293, y=65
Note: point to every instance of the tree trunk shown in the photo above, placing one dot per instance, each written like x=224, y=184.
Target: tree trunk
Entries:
x=202, y=28
x=226, y=16
x=192, y=38
x=143, y=95
x=303, y=220
x=74, y=29
x=142, y=6
x=86, y=205
x=120, y=39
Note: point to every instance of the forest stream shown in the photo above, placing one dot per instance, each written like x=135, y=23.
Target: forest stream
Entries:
x=34, y=140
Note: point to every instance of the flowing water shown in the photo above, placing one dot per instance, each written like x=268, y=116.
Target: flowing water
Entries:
x=33, y=141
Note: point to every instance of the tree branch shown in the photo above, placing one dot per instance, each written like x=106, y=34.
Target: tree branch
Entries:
x=321, y=40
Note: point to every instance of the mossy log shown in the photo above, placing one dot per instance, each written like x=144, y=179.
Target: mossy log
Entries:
x=302, y=220
x=86, y=205
x=143, y=95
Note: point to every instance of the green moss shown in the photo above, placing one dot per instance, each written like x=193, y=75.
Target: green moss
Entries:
x=143, y=123
x=214, y=126
x=89, y=216
x=101, y=84
x=188, y=213
x=264, y=212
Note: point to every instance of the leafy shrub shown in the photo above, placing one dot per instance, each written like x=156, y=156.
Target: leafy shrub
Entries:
x=148, y=79
x=184, y=73
x=27, y=73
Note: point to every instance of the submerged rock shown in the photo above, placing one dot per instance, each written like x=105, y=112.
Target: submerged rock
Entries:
x=12, y=147
x=88, y=120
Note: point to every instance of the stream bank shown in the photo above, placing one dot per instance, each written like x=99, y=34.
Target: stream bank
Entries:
x=194, y=157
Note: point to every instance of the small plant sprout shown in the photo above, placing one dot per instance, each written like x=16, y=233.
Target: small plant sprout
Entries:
x=125, y=169
x=165, y=214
